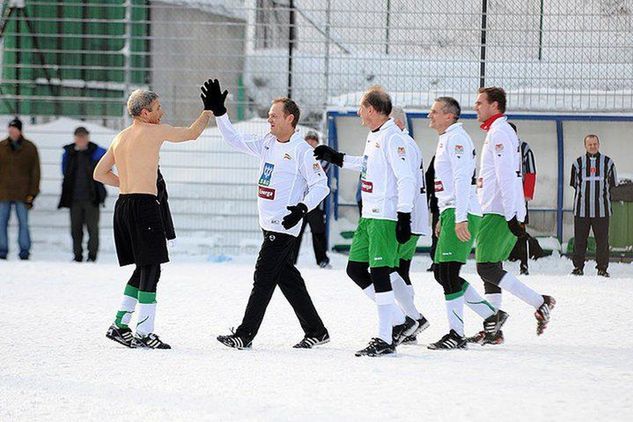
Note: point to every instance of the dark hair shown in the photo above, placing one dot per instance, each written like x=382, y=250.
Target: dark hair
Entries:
x=450, y=105
x=290, y=107
x=16, y=123
x=591, y=135
x=378, y=98
x=81, y=131
x=495, y=95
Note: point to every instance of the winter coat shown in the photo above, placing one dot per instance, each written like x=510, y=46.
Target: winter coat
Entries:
x=19, y=170
x=69, y=170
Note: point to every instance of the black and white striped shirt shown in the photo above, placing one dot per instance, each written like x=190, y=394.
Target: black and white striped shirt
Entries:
x=527, y=158
x=593, y=177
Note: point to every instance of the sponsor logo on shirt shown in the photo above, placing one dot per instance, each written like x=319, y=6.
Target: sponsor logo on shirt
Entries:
x=459, y=149
x=367, y=186
x=439, y=187
x=287, y=156
x=265, y=193
x=267, y=172
x=377, y=145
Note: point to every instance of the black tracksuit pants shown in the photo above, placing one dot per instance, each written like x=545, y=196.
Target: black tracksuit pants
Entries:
x=275, y=267
x=316, y=220
x=600, y=226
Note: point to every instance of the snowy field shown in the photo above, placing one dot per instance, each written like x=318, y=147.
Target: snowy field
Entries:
x=57, y=364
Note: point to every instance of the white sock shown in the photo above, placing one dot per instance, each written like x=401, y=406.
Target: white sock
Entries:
x=397, y=314
x=494, y=299
x=510, y=283
x=385, y=301
x=411, y=290
x=455, y=313
x=403, y=295
x=146, y=314
x=128, y=304
x=478, y=304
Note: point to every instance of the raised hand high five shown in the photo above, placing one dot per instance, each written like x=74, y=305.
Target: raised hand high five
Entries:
x=213, y=98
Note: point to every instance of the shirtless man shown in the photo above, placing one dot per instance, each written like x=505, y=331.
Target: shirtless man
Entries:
x=139, y=233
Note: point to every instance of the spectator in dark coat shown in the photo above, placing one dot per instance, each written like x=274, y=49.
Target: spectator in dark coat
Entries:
x=81, y=193
x=19, y=185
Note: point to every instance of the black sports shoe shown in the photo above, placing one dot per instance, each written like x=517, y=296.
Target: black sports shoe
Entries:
x=235, y=341
x=423, y=324
x=310, y=342
x=542, y=314
x=409, y=340
x=493, y=323
x=603, y=273
x=400, y=331
x=578, y=271
x=452, y=340
x=484, y=338
x=121, y=335
x=377, y=347
x=151, y=341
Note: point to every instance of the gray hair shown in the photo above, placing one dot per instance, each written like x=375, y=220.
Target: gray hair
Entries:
x=451, y=106
x=140, y=100
x=397, y=112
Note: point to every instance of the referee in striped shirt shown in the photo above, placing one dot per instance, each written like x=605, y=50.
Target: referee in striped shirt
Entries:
x=592, y=177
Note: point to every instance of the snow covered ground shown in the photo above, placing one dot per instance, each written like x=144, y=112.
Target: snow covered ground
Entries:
x=57, y=364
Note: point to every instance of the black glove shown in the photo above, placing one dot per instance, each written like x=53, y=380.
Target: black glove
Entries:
x=403, y=227
x=517, y=228
x=297, y=212
x=324, y=152
x=213, y=98
x=28, y=201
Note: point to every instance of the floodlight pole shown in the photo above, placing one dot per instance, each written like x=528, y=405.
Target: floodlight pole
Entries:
x=482, y=60
x=291, y=41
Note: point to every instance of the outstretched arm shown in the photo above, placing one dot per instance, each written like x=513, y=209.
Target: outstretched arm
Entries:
x=181, y=134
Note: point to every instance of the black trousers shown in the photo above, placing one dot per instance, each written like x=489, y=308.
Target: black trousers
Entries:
x=316, y=220
x=600, y=226
x=275, y=267
x=84, y=213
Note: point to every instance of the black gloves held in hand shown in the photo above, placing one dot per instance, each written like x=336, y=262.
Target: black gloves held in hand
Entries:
x=324, y=152
x=403, y=227
x=517, y=228
x=297, y=212
x=213, y=98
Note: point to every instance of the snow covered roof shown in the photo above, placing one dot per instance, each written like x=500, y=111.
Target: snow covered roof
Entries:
x=229, y=8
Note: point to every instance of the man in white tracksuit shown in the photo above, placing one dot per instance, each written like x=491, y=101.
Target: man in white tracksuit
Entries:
x=500, y=193
x=460, y=216
x=388, y=188
x=290, y=180
x=400, y=279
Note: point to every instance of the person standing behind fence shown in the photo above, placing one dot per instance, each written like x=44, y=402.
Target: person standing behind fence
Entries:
x=19, y=185
x=592, y=177
x=316, y=219
x=81, y=193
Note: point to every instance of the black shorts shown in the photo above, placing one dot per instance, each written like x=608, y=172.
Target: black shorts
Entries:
x=139, y=234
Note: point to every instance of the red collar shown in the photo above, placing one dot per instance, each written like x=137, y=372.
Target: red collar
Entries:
x=486, y=125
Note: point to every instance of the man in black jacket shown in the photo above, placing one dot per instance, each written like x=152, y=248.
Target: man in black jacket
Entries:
x=81, y=193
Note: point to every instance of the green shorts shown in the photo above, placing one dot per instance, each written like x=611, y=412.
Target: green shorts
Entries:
x=449, y=247
x=407, y=250
x=375, y=242
x=495, y=240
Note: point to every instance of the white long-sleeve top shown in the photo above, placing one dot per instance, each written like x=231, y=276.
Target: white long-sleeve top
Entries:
x=420, y=213
x=289, y=174
x=455, y=173
x=500, y=189
x=387, y=182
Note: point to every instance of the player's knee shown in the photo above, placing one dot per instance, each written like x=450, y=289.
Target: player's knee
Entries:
x=490, y=272
x=357, y=271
